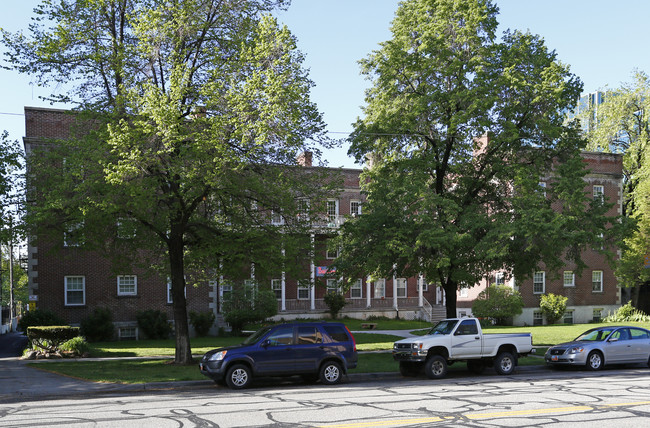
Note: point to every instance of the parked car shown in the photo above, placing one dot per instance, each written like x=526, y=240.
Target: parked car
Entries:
x=603, y=345
x=315, y=350
x=455, y=339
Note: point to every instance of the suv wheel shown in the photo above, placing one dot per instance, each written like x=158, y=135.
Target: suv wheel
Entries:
x=330, y=373
x=238, y=376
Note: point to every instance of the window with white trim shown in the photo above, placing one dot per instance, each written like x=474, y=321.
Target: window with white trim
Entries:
x=401, y=287
x=356, y=289
x=569, y=278
x=303, y=292
x=169, y=292
x=539, y=282
x=127, y=285
x=332, y=211
x=538, y=318
x=597, y=314
x=75, y=290
x=355, y=208
x=127, y=333
x=276, y=286
x=276, y=218
x=568, y=317
x=499, y=278
x=332, y=286
x=597, y=281
x=332, y=253
x=425, y=285
x=380, y=289
x=599, y=192
x=303, y=209
x=463, y=292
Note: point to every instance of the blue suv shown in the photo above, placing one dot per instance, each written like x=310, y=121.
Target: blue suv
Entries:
x=315, y=350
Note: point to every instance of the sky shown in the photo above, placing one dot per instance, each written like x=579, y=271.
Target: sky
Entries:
x=602, y=41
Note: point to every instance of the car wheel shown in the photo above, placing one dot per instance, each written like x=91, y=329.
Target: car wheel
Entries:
x=595, y=360
x=330, y=373
x=436, y=367
x=475, y=366
x=238, y=376
x=505, y=363
x=407, y=369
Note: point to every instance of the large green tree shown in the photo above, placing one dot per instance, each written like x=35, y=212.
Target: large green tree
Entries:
x=191, y=114
x=621, y=124
x=460, y=129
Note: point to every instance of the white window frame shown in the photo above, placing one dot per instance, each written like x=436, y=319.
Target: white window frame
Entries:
x=567, y=318
x=356, y=289
x=463, y=292
x=425, y=284
x=598, y=192
x=499, y=278
x=379, y=285
x=120, y=336
x=169, y=291
x=305, y=291
x=276, y=287
x=597, y=314
x=120, y=292
x=67, y=284
x=276, y=218
x=73, y=241
x=543, y=273
x=332, y=286
x=538, y=316
x=353, y=211
x=597, y=284
x=405, y=288
x=332, y=211
x=303, y=209
x=569, y=278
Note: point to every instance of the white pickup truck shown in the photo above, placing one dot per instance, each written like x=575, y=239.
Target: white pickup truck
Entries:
x=462, y=339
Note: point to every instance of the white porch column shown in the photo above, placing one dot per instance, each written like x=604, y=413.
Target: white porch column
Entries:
x=283, y=292
x=395, y=292
x=312, y=287
x=420, y=290
x=368, y=292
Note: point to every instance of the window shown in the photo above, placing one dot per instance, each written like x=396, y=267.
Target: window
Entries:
x=281, y=336
x=569, y=278
x=467, y=327
x=538, y=318
x=276, y=218
x=568, y=317
x=332, y=253
x=303, y=209
x=597, y=314
x=539, y=282
x=332, y=211
x=637, y=333
x=599, y=192
x=355, y=208
x=75, y=290
x=499, y=278
x=226, y=289
x=401, y=287
x=127, y=333
x=463, y=292
x=127, y=285
x=303, y=292
x=276, y=286
x=309, y=336
x=73, y=235
x=425, y=285
x=542, y=187
x=597, y=281
x=169, y=291
x=356, y=291
x=336, y=333
x=380, y=289
x=332, y=286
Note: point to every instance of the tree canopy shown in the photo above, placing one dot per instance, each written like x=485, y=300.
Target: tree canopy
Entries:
x=459, y=130
x=191, y=115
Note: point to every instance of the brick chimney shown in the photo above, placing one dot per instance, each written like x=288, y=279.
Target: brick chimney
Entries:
x=305, y=158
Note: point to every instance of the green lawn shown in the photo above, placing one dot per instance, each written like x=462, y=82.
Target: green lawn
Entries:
x=157, y=370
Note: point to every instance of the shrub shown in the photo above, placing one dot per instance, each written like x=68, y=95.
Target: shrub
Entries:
x=76, y=345
x=553, y=307
x=335, y=302
x=248, y=304
x=627, y=313
x=49, y=338
x=39, y=317
x=153, y=324
x=202, y=322
x=98, y=327
x=499, y=303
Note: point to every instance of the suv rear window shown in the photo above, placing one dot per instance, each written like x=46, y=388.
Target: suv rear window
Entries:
x=337, y=333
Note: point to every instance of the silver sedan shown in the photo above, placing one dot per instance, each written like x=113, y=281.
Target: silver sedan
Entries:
x=603, y=345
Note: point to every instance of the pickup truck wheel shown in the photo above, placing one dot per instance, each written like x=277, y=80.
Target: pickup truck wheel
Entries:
x=475, y=366
x=407, y=369
x=435, y=367
x=505, y=363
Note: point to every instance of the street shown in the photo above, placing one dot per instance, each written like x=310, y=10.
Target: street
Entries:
x=613, y=397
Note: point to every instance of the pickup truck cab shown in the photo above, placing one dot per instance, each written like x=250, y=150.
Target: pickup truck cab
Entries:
x=462, y=339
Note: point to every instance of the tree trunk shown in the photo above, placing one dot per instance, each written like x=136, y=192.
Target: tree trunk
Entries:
x=177, y=271
x=450, y=296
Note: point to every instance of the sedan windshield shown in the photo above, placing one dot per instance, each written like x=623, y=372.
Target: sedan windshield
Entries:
x=256, y=336
x=596, y=335
x=444, y=327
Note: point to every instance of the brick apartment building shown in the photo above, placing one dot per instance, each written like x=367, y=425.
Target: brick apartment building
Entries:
x=72, y=282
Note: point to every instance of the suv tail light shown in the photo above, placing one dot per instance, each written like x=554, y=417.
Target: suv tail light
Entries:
x=354, y=342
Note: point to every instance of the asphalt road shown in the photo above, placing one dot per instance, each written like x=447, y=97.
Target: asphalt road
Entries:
x=12, y=344
x=567, y=398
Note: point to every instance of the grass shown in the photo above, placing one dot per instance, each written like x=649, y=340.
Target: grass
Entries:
x=160, y=370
